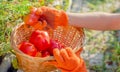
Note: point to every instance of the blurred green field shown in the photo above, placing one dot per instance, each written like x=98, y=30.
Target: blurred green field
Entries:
x=106, y=42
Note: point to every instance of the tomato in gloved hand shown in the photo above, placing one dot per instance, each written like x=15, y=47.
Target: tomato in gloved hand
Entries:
x=40, y=39
x=28, y=48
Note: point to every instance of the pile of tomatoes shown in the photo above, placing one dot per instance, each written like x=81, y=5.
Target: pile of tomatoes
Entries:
x=40, y=44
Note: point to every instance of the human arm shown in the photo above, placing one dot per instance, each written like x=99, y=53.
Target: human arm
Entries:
x=95, y=21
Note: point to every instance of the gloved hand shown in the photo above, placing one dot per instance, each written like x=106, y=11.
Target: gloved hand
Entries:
x=53, y=17
x=68, y=61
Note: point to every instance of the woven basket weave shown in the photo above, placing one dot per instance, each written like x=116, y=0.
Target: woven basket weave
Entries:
x=70, y=36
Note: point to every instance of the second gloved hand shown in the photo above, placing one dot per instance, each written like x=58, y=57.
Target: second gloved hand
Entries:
x=68, y=61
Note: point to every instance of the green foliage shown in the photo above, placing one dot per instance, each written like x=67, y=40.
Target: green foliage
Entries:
x=116, y=52
x=117, y=48
x=15, y=63
x=4, y=47
x=96, y=2
x=10, y=11
x=118, y=70
x=65, y=4
x=101, y=5
x=97, y=68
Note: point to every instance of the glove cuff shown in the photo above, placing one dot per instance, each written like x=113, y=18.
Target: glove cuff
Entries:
x=64, y=19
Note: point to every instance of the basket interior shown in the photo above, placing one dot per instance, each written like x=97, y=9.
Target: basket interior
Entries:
x=70, y=36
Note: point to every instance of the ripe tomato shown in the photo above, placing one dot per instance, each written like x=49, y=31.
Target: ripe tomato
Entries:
x=28, y=48
x=54, y=44
x=40, y=39
x=45, y=53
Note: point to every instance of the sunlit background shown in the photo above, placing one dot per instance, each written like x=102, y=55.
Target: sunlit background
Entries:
x=101, y=49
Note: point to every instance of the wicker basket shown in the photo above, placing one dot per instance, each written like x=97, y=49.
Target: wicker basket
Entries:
x=70, y=36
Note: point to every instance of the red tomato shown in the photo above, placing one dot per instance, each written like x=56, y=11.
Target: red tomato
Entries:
x=28, y=48
x=40, y=39
x=54, y=44
x=45, y=53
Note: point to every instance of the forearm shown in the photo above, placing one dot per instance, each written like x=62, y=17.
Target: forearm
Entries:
x=96, y=21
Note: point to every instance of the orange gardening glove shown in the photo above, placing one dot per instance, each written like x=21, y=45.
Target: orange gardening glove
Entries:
x=53, y=16
x=68, y=61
